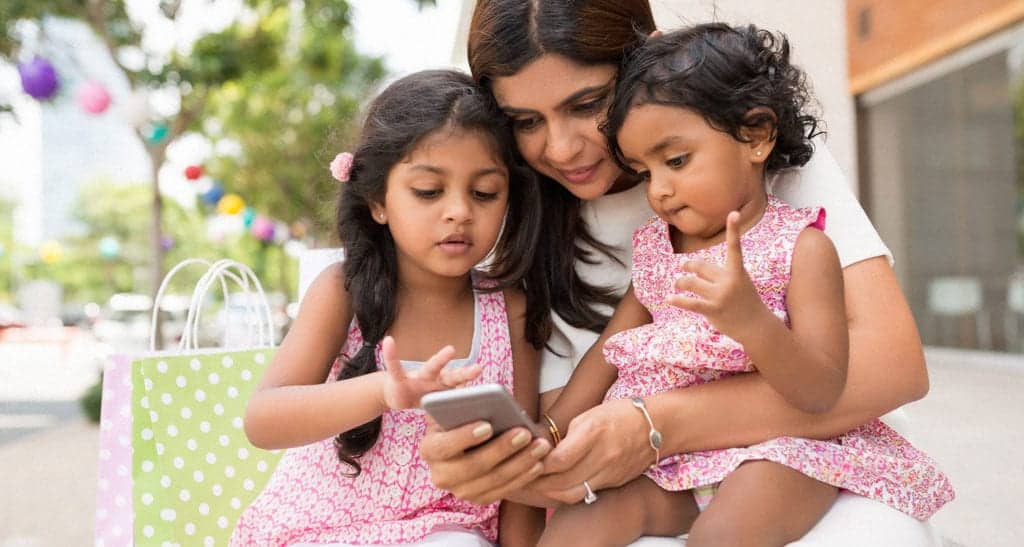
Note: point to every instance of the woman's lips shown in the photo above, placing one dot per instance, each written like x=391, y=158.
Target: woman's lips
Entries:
x=580, y=176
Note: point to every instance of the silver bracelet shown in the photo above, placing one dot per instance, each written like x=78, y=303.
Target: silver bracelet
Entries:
x=654, y=436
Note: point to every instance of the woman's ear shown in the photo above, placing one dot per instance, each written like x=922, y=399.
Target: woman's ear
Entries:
x=380, y=216
x=759, y=132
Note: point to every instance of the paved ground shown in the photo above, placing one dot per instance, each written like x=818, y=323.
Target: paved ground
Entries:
x=972, y=422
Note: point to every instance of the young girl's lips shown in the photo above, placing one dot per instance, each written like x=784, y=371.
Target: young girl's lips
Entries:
x=580, y=176
x=454, y=247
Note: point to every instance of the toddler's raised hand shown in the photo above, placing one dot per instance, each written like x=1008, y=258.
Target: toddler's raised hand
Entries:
x=403, y=389
x=725, y=295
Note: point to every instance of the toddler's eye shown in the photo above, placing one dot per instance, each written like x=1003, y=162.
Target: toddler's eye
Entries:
x=643, y=175
x=677, y=161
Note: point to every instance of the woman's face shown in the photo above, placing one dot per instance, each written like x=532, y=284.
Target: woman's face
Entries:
x=555, y=106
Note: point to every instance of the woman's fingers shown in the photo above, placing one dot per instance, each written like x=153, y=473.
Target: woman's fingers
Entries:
x=477, y=474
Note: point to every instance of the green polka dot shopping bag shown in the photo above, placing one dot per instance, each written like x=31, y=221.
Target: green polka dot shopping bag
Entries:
x=192, y=469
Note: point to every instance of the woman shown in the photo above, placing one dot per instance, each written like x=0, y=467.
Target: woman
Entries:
x=550, y=65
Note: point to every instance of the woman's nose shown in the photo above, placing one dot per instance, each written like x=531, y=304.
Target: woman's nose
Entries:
x=563, y=143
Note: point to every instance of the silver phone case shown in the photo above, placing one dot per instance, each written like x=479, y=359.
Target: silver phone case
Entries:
x=487, y=402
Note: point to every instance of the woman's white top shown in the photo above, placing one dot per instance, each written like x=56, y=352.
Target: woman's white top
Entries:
x=613, y=218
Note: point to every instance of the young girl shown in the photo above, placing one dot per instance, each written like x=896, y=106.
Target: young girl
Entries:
x=423, y=201
x=704, y=114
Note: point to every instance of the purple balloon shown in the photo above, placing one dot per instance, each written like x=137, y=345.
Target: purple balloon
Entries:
x=262, y=228
x=38, y=78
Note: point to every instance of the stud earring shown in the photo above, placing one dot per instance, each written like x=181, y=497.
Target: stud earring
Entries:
x=758, y=152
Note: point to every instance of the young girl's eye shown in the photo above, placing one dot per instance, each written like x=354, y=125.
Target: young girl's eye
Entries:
x=485, y=196
x=426, y=194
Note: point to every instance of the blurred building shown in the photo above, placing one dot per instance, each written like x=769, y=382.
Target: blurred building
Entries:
x=939, y=110
x=55, y=148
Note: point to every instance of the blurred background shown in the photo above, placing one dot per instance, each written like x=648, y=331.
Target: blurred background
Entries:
x=137, y=133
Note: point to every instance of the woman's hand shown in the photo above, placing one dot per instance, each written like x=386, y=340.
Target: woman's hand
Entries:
x=402, y=389
x=465, y=462
x=607, y=446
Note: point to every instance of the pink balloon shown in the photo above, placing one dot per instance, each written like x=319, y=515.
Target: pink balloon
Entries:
x=93, y=97
x=262, y=228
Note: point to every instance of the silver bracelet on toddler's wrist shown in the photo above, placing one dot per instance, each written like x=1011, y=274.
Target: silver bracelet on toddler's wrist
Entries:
x=654, y=436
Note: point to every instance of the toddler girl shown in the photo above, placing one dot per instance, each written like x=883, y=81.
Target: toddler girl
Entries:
x=726, y=278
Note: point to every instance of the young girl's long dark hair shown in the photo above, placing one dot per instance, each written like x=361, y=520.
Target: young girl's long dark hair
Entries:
x=397, y=120
x=735, y=77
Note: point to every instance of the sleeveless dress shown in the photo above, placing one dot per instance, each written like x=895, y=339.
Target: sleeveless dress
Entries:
x=310, y=499
x=680, y=348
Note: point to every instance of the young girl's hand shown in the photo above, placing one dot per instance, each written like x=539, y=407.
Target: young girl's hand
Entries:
x=725, y=295
x=404, y=389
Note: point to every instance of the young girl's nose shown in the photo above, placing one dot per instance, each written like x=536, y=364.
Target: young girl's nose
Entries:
x=458, y=209
x=563, y=143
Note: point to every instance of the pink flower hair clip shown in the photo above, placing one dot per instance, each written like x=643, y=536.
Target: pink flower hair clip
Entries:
x=341, y=166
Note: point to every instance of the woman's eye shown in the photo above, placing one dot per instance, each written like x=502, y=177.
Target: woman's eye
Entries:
x=524, y=124
x=590, y=106
x=426, y=194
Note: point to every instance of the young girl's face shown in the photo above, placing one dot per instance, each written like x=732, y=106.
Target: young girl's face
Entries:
x=556, y=106
x=697, y=174
x=445, y=202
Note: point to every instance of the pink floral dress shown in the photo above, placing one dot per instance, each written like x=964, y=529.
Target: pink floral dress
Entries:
x=681, y=348
x=310, y=499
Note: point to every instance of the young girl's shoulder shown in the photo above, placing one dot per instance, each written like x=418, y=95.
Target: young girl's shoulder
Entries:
x=327, y=302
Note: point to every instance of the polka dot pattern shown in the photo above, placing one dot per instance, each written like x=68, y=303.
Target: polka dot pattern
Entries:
x=194, y=470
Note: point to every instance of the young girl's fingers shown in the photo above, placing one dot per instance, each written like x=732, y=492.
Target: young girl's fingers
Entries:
x=391, y=363
x=704, y=270
x=432, y=368
x=454, y=377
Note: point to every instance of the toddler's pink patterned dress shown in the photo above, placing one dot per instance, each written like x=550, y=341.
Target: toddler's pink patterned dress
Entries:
x=681, y=348
x=309, y=499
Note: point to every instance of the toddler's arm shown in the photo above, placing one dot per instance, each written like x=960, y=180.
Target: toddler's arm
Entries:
x=805, y=363
x=594, y=375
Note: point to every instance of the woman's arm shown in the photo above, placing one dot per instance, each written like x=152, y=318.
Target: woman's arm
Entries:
x=521, y=524
x=886, y=370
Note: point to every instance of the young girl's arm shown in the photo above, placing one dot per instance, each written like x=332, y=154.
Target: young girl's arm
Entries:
x=593, y=376
x=521, y=524
x=806, y=363
x=293, y=406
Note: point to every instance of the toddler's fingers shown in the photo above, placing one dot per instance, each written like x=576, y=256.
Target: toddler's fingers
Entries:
x=698, y=305
x=704, y=270
x=696, y=285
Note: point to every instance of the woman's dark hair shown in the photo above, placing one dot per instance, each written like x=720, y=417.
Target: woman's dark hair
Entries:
x=404, y=114
x=722, y=73
x=504, y=37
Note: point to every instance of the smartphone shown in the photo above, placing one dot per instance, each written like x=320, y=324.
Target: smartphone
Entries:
x=491, y=403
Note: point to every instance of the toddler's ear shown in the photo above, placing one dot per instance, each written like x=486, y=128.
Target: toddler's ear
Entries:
x=655, y=34
x=759, y=131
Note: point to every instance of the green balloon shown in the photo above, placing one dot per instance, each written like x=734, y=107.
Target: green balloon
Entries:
x=157, y=132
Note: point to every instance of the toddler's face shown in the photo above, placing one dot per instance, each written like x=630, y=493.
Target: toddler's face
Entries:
x=445, y=203
x=697, y=174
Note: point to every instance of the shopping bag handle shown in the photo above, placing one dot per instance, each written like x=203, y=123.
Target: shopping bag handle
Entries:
x=219, y=271
x=250, y=286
